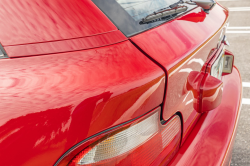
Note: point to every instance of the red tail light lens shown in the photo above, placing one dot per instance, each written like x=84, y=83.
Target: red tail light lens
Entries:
x=139, y=143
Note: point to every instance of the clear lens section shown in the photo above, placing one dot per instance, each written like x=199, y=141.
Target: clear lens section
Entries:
x=171, y=131
x=123, y=141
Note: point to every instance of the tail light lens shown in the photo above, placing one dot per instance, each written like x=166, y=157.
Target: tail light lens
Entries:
x=122, y=142
x=137, y=143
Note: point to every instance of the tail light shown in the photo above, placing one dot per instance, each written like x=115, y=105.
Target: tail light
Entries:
x=137, y=143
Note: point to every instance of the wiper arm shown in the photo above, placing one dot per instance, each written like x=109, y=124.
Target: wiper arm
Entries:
x=176, y=4
x=172, y=9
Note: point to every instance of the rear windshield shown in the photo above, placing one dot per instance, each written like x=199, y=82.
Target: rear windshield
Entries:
x=128, y=15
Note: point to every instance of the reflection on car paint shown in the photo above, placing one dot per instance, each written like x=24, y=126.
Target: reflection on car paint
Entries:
x=61, y=99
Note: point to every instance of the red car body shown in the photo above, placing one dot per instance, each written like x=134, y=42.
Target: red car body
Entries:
x=72, y=74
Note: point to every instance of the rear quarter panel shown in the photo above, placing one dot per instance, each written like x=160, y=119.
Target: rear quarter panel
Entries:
x=50, y=103
x=212, y=139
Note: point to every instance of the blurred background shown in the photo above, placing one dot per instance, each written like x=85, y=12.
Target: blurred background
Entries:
x=238, y=35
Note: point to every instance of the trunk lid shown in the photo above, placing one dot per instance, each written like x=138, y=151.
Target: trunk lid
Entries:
x=179, y=47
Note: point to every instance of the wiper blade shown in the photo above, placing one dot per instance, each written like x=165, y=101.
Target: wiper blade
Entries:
x=171, y=10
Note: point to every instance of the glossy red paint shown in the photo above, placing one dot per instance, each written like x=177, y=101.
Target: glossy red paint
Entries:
x=211, y=140
x=65, y=45
x=194, y=85
x=26, y=21
x=181, y=37
x=181, y=46
x=207, y=91
x=50, y=103
x=211, y=93
x=194, y=17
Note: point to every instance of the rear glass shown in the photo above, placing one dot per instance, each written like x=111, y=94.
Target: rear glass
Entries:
x=127, y=15
x=139, y=9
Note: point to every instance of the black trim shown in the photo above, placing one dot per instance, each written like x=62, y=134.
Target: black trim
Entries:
x=125, y=23
x=164, y=70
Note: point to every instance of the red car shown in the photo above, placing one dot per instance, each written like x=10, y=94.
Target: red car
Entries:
x=116, y=82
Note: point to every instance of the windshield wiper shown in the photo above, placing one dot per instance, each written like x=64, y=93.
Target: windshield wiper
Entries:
x=171, y=10
x=176, y=4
